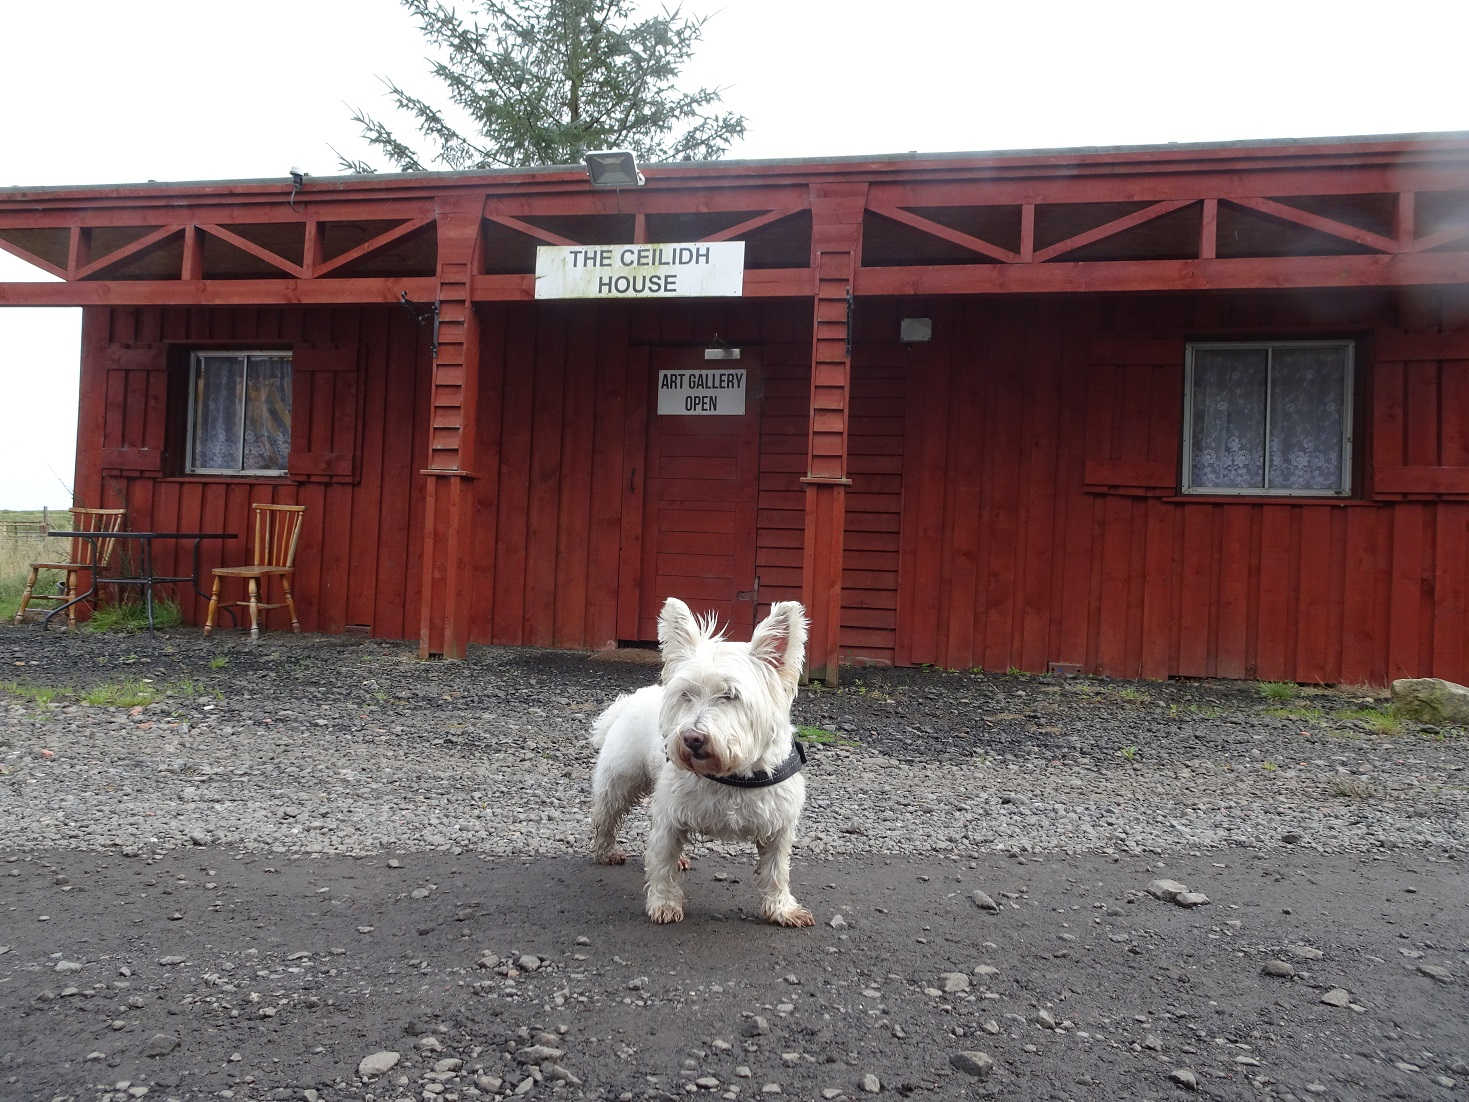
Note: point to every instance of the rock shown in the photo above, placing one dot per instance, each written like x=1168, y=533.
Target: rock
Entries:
x=954, y=982
x=1166, y=890
x=1152, y=1043
x=1336, y=997
x=989, y=1025
x=871, y=1083
x=755, y=1027
x=707, y=1082
x=1044, y=1020
x=488, y=1083
x=528, y=962
x=1435, y=972
x=68, y=966
x=1291, y=837
x=160, y=1044
x=1185, y=1078
x=985, y=903
x=1431, y=700
x=379, y=1063
x=1191, y=899
x=837, y=922
x=535, y=1054
x=978, y=1064
x=1305, y=952
x=1278, y=968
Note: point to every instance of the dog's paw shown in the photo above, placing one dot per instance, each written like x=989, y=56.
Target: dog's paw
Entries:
x=666, y=912
x=612, y=857
x=796, y=916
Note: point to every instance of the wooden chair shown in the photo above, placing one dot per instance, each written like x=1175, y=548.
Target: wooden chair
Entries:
x=78, y=560
x=277, y=528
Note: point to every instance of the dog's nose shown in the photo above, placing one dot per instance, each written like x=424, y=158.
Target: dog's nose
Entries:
x=694, y=742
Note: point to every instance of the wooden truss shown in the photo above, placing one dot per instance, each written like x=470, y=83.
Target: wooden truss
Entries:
x=1292, y=188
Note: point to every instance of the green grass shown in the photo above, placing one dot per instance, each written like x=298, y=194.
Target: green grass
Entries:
x=1128, y=752
x=1381, y=721
x=218, y=662
x=123, y=694
x=820, y=736
x=1277, y=690
x=40, y=694
x=1296, y=711
x=1129, y=693
x=132, y=616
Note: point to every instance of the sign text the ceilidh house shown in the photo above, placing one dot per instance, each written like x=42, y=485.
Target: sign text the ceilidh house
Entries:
x=676, y=270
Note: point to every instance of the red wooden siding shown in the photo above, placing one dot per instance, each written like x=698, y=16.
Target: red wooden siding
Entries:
x=359, y=548
x=564, y=396
x=1040, y=522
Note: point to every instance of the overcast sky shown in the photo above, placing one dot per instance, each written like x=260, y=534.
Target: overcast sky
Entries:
x=95, y=91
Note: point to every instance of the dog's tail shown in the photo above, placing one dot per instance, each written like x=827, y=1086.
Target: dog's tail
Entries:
x=604, y=722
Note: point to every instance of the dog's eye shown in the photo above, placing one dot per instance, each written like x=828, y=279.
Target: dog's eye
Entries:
x=730, y=693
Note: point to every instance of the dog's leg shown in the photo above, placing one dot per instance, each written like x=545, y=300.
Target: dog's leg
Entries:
x=612, y=799
x=773, y=877
x=661, y=867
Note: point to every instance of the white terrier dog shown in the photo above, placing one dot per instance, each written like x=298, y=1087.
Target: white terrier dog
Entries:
x=714, y=745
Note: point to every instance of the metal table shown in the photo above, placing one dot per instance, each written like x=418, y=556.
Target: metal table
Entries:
x=147, y=579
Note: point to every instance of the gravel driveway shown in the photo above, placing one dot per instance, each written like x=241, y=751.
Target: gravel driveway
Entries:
x=442, y=808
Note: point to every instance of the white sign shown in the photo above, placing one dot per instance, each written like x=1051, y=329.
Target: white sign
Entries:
x=716, y=392
x=707, y=269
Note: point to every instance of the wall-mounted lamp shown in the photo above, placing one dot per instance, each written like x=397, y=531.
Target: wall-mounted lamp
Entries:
x=298, y=179
x=613, y=168
x=721, y=349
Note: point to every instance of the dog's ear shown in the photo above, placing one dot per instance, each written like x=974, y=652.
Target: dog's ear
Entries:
x=780, y=640
x=678, y=632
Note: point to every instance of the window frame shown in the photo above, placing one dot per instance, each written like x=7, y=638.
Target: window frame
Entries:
x=196, y=356
x=1269, y=346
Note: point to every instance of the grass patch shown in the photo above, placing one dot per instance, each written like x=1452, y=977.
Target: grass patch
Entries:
x=1280, y=691
x=122, y=694
x=1296, y=711
x=1381, y=721
x=1129, y=693
x=820, y=736
x=218, y=662
x=39, y=694
x=129, y=617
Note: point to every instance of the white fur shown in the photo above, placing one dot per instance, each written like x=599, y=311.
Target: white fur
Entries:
x=721, y=709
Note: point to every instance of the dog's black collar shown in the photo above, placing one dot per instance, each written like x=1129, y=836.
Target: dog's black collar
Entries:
x=789, y=768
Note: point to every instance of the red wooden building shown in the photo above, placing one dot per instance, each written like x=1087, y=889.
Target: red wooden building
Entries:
x=1183, y=410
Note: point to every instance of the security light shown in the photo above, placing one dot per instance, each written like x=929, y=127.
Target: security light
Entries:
x=613, y=168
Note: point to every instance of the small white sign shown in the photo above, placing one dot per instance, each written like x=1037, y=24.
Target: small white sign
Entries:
x=699, y=269
x=716, y=392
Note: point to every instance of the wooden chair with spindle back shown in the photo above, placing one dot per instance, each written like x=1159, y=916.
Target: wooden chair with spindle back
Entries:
x=276, y=529
x=79, y=559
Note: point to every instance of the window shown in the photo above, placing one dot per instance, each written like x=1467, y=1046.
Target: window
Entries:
x=239, y=413
x=1268, y=418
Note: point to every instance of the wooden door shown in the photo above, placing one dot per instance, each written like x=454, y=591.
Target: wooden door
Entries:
x=699, y=502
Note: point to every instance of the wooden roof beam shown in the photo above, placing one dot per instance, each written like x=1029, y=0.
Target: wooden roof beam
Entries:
x=939, y=230
x=1110, y=229
x=530, y=230
x=31, y=258
x=217, y=292
x=1318, y=223
x=275, y=260
x=372, y=244
x=750, y=225
x=1249, y=273
x=147, y=241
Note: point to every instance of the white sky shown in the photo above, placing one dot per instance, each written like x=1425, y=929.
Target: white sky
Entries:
x=95, y=91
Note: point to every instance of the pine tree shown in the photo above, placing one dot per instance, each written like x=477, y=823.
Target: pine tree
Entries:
x=544, y=81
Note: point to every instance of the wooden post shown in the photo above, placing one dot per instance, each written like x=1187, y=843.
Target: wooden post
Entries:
x=836, y=246
x=448, y=497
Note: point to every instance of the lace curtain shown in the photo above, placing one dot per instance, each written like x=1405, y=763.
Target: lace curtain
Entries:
x=1295, y=395
x=241, y=413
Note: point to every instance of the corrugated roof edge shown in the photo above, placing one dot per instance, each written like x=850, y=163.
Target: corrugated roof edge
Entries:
x=548, y=173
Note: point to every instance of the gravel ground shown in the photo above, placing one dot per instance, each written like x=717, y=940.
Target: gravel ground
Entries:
x=310, y=859
x=321, y=745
